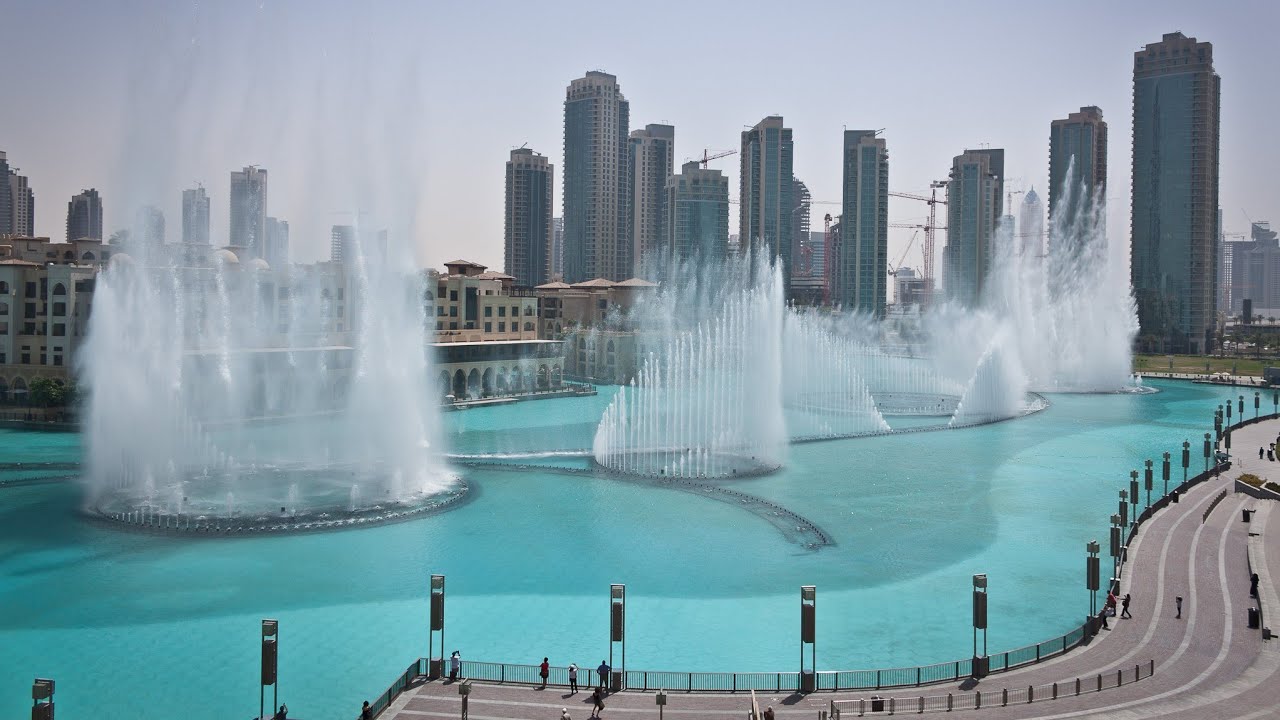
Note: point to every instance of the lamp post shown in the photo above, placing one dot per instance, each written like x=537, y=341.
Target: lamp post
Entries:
x=1257, y=403
x=1227, y=441
x=1206, y=452
x=979, y=666
x=464, y=689
x=1228, y=411
x=1091, y=575
x=1164, y=472
x=1241, y=413
x=1133, y=494
x=1186, y=459
x=1146, y=477
x=661, y=699
x=435, y=667
x=1275, y=401
x=270, y=651
x=1124, y=508
x=808, y=636
x=1116, y=522
x=1217, y=424
x=42, y=699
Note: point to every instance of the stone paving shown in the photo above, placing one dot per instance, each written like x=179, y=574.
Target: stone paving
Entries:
x=1208, y=663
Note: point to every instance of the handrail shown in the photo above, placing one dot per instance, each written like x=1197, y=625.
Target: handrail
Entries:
x=991, y=698
x=1205, y=517
x=399, y=686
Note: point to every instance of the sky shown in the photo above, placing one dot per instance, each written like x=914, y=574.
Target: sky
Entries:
x=402, y=115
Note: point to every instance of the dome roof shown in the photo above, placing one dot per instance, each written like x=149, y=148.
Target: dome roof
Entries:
x=226, y=257
x=121, y=260
x=258, y=264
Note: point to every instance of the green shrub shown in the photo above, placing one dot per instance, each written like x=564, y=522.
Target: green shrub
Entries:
x=1251, y=479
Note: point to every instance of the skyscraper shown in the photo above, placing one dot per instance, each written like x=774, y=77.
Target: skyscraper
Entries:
x=697, y=215
x=975, y=202
x=1031, y=226
x=652, y=158
x=557, y=248
x=277, y=252
x=764, y=221
x=84, y=216
x=1176, y=109
x=195, y=216
x=342, y=244
x=597, y=180
x=249, y=210
x=863, y=264
x=17, y=202
x=1079, y=142
x=149, y=226
x=527, y=246
x=802, y=254
x=6, y=198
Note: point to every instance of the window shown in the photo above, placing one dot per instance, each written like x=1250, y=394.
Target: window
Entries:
x=57, y=360
x=453, y=326
x=502, y=327
x=59, y=330
x=515, y=311
x=439, y=310
x=44, y=359
x=453, y=296
x=4, y=308
x=453, y=311
x=59, y=289
x=488, y=327
x=26, y=358
x=340, y=293
x=502, y=311
x=4, y=328
x=439, y=326
x=528, y=327
x=60, y=308
x=4, y=288
x=488, y=311
x=31, y=290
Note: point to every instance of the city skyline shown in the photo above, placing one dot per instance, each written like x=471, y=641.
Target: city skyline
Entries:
x=457, y=190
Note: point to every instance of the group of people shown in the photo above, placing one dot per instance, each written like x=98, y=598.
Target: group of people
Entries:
x=597, y=696
x=1109, y=609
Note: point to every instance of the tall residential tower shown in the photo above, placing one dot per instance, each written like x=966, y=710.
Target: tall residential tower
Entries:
x=249, y=210
x=84, y=216
x=863, y=265
x=975, y=203
x=764, y=216
x=1077, y=142
x=528, y=226
x=652, y=157
x=697, y=215
x=597, y=180
x=195, y=216
x=1176, y=109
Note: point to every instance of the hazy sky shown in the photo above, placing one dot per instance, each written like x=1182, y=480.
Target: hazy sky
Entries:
x=407, y=111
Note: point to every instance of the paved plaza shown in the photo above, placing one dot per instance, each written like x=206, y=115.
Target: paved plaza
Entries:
x=1208, y=663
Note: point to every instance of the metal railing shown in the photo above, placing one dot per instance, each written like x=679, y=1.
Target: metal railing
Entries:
x=418, y=668
x=1004, y=697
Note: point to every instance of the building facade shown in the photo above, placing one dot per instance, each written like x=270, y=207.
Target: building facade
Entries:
x=342, y=244
x=149, y=226
x=764, y=222
x=17, y=202
x=528, y=221
x=1031, y=236
x=1078, y=144
x=597, y=180
x=652, y=157
x=249, y=210
x=801, y=220
x=84, y=216
x=1176, y=110
x=975, y=203
x=195, y=216
x=863, y=279
x=697, y=221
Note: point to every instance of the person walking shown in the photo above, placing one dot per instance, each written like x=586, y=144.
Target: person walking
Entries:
x=1261, y=452
x=1103, y=614
x=597, y=703
x=1178, y=602
x=603, y=672
x=1253, y=585
x=573, y=679
x=1124, y=607
x=543, y=671
x=564, y=714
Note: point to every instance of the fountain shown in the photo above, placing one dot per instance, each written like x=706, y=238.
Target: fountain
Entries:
x=225, y=392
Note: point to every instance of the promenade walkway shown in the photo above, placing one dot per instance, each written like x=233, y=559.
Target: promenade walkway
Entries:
x=1208, y=663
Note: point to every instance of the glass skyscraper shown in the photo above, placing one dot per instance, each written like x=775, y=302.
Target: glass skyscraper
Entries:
x=597, y=180
x=975, y=202
x=764, y=222
x=527, y=246
x=1077, y=142
x=1176, y=109
x=697, y=215
x=863, y=263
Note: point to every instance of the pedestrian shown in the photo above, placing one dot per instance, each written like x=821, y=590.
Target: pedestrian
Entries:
x=1261, y=452
x=543, y=671
x=564, y=714
x=1124, y=607
x=366, y=712
x=597, y=703
x=1111, y=602
x=1103, y=614
x=573, y=679
x=603, y=672
x=455, y=666
x=282, y=713
x=768, y=713
x=1253, y=585
x=1178, y=601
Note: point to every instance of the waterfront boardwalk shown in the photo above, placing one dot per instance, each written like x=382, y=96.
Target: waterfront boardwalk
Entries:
x=1208, y=663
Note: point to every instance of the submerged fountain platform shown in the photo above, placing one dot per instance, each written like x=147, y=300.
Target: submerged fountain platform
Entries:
x=271, y=499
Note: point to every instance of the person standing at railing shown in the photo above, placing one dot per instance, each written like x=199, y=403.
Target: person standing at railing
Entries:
x=366, y=712
x=543, y=671
x=603, y=672
x=455, y=666
x=573, y=679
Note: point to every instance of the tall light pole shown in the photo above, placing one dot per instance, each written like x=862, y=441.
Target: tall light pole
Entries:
x=1146, y=478
x=1091, y=576
x=1257, y=403
x=979, y=666
x=1133, y=494
x=1206, y=452
x=1164, y=472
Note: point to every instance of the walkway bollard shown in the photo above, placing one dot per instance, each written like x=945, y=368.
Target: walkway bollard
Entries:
x=1119, y=678
x=891, y=703
x=949, y=703
x=1077, y=686
x=1004, y=697
x=1055, y=691
x=1137, y=673
x=921, y=710
x=1031, y=694
x=1151, y=668
x=1099, y=682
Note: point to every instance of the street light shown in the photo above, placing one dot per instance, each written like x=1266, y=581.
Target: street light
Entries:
x=42, y=699
x=1124, y=508
x=1257, y=402
x=1186, y=459
x=1091, y=576
x=661, y=699
x=1146, y=478
x=464, y=689
x=1116, y=522
x=1206, y=452
x=1133, y=494
x=1241, y=413
x=980, y=662
x=1164, y=472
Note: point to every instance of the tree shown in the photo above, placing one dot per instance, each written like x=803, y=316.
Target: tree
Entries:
x=46, y=392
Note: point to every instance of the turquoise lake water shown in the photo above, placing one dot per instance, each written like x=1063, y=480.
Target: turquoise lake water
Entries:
x=126, y=621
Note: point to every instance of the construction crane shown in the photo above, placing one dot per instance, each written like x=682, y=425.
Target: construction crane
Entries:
x=929, y=229
x=708, y=156
x=894, y=268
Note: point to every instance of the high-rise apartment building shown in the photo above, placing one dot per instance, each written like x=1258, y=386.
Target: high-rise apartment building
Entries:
x=149, y=226
x=557, y=248
x=597, y=180
x=764, y=218
x=1031, y=227
x=17, y=202
x=6, y=197
x=342, y=244
x=697, y=215
x=249, y=210
x=277, y=251
x=1077, y=143
x=975, y=203
x=84, y=216
x=863, y=264
x=527, y=247
x=801, y=251
x=1176, y=109
x=195, y=216
x=652, y=158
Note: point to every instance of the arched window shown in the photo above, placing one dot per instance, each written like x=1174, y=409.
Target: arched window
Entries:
x=87, y=256
x=59, y=289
